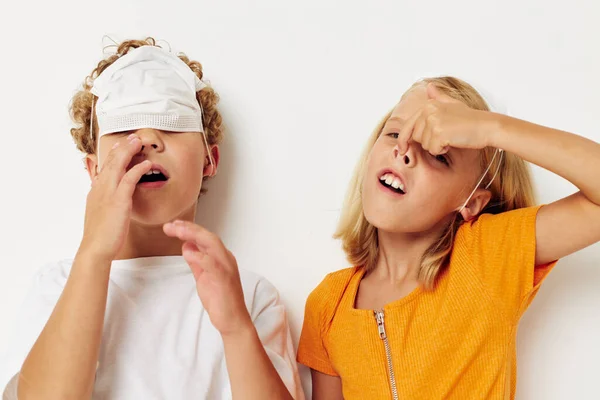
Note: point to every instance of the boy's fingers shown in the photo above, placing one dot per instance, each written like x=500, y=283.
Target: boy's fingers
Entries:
x=198, y=261
x=131, y=178
x=119, y=158
x=202, y=237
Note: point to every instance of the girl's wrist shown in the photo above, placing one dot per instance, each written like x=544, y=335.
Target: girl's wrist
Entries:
x=495, y=129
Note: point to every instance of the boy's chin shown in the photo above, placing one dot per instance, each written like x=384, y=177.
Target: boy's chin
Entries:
x=149, y=221
x=157, y=216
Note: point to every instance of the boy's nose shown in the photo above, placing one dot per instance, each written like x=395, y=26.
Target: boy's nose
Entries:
x=151, y=139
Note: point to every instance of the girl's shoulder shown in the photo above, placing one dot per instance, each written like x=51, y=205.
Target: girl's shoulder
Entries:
x=492, y=227
x=326, y=297
x=335, y=283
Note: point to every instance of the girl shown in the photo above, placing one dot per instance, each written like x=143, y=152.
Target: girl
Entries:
x=448, y=249
x=149, y=308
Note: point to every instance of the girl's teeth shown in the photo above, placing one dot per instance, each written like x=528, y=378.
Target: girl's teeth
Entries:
x=155, y=171
x=392, y=181
x=148, y=173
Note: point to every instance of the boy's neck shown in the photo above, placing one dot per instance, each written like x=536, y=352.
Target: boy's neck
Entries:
x=151, y=241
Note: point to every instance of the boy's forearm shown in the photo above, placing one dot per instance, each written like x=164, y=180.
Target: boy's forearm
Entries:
x=570, y=156
x=62, y=362
x=251, y=373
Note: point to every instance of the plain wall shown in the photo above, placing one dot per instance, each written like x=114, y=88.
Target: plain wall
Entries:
x=302, y=84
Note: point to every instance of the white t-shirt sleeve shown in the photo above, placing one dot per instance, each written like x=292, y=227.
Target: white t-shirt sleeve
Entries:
x=269, y=317
x=34, y=313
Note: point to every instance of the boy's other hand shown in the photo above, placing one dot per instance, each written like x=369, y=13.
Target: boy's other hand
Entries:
x=217, y=276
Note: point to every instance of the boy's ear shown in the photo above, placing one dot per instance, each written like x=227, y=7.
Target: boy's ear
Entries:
x=211, y=170
x=91, y=165
x=480, y=199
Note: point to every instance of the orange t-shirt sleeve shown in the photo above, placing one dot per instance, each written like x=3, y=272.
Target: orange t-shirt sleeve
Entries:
x=311, y=349
x=502, y=251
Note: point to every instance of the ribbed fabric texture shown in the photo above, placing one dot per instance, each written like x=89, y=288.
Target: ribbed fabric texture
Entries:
x=455, y=342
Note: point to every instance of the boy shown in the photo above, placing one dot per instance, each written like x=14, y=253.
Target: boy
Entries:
x=123, y=319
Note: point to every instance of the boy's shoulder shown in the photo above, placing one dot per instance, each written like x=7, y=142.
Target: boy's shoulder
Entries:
x=259, y=292
x=254, y=281
x=53, y=274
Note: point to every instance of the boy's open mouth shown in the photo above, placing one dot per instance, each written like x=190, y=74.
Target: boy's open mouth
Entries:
x=153, y=175
x=156, y=174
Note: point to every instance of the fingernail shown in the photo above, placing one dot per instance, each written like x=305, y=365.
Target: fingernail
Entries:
x=131, y=137
x=115, y=145
x=134, y=140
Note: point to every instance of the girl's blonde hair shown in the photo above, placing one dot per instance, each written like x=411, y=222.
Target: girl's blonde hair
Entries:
x=81, y=104
x=511, y=189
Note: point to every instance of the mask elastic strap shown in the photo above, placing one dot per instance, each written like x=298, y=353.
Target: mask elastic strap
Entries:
x=92, y=134
x=210, y=159
x=483, y=177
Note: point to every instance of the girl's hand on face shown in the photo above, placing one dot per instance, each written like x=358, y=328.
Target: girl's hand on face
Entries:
x=444, y=122
x=217, y=276
x=109, y=202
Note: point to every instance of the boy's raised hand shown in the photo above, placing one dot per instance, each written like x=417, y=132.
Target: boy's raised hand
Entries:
x=109, y=202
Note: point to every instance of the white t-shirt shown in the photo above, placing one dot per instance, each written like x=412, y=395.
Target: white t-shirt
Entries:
x=158, y=341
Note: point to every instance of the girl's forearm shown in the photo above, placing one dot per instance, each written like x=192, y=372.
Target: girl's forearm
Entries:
x=570, y=156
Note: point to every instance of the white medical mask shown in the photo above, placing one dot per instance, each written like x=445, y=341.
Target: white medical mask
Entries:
x=148, y=87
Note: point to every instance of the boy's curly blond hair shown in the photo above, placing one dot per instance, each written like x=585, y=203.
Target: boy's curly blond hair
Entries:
x=81, y=104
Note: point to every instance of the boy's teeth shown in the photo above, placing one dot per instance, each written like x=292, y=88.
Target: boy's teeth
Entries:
x=155, y=171
x=148, y=173
x=395, y=184
x=389, y=179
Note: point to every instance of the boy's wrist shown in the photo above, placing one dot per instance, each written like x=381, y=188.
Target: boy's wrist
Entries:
x=244, y=330
x=87, y=256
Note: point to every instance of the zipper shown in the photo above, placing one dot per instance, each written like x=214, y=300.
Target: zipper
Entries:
x=379, y=317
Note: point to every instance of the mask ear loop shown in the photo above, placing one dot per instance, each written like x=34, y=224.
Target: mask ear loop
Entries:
x=92, y=134
x=497, y=168
x=483, y=177
x=210, y=159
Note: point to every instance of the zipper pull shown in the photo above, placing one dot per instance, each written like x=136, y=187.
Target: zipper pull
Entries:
x=380, y=325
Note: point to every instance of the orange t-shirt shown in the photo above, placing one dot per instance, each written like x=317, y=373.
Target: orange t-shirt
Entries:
x=454, y=342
